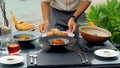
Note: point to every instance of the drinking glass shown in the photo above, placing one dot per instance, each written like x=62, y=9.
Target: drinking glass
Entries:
x=13, y=48
x=5, y=34
x=3, y=47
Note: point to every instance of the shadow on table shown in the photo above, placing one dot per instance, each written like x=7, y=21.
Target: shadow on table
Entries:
x=19, y=65
x=30, y=46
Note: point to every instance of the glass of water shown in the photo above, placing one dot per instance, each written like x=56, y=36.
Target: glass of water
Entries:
x=5, y=34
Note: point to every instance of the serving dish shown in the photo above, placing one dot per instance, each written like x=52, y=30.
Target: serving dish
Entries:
x=58, y=42
x=94, y=34
x=24, y=43
x=26, y=35
x=46, y=41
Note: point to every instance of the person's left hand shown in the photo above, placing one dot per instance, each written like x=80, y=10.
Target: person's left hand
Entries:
x=72, y=25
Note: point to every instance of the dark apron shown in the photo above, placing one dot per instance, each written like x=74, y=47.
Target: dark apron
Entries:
x=59, y=19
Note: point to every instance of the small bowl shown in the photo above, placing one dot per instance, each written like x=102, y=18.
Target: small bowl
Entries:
x=31, y=34
x=94, y=34
x=66, y=42
x=25, y=43
x=26, y=37
x=59, y=48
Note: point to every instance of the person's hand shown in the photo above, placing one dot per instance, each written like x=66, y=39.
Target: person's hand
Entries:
x=43, y=26
x=72, y=25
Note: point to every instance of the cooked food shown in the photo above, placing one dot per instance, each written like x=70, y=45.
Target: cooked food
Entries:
x=57, y=42
x=58, y=32
x=24, y=37
x=50, y=34
x=22, y=26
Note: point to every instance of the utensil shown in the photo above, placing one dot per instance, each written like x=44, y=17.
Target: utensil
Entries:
x=35, y=58
x=83, y=53
x=31, y=57
x=82, y=58
x=77, y=51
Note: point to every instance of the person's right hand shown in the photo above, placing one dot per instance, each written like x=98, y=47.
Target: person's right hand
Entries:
x=43, y=26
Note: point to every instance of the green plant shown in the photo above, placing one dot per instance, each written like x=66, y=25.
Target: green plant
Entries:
x=107, y=16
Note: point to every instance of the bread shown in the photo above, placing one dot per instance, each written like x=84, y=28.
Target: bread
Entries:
x=21, y=26
x=25, y=26
x=57, y=32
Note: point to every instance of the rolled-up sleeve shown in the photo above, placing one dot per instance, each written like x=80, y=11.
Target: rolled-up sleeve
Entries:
x=87, y=0
x=46, y=0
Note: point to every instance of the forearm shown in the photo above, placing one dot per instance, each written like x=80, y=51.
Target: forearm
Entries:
x=84, y=5
x=45, y=11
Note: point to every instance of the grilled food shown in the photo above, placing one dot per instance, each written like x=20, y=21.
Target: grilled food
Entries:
x=58, y=32
x=21, y=26
x=58, y=42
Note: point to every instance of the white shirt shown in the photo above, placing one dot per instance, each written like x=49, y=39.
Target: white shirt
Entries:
x=67, y=5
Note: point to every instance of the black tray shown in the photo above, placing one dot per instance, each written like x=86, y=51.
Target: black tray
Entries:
x=50, y=59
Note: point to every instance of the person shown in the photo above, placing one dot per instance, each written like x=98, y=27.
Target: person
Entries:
x=63, y=14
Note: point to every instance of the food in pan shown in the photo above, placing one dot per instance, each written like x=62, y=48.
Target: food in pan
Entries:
x=24, y=37
x=50, y=34
x=24, y=26
x=57, y=42
x=56, y=32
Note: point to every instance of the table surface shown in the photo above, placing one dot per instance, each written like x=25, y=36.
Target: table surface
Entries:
x=93, y=60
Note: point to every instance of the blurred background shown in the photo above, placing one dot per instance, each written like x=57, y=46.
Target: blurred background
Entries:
x=106, y=16
x=30, y=10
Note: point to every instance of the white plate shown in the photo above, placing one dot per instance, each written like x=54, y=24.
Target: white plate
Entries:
x=106, y=53
x=11, y=59
x=70, y=34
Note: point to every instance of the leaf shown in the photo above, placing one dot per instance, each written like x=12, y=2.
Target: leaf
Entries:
x=108, y=17
x=116, y=37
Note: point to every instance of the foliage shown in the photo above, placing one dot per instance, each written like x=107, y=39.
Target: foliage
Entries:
x=108, y=17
